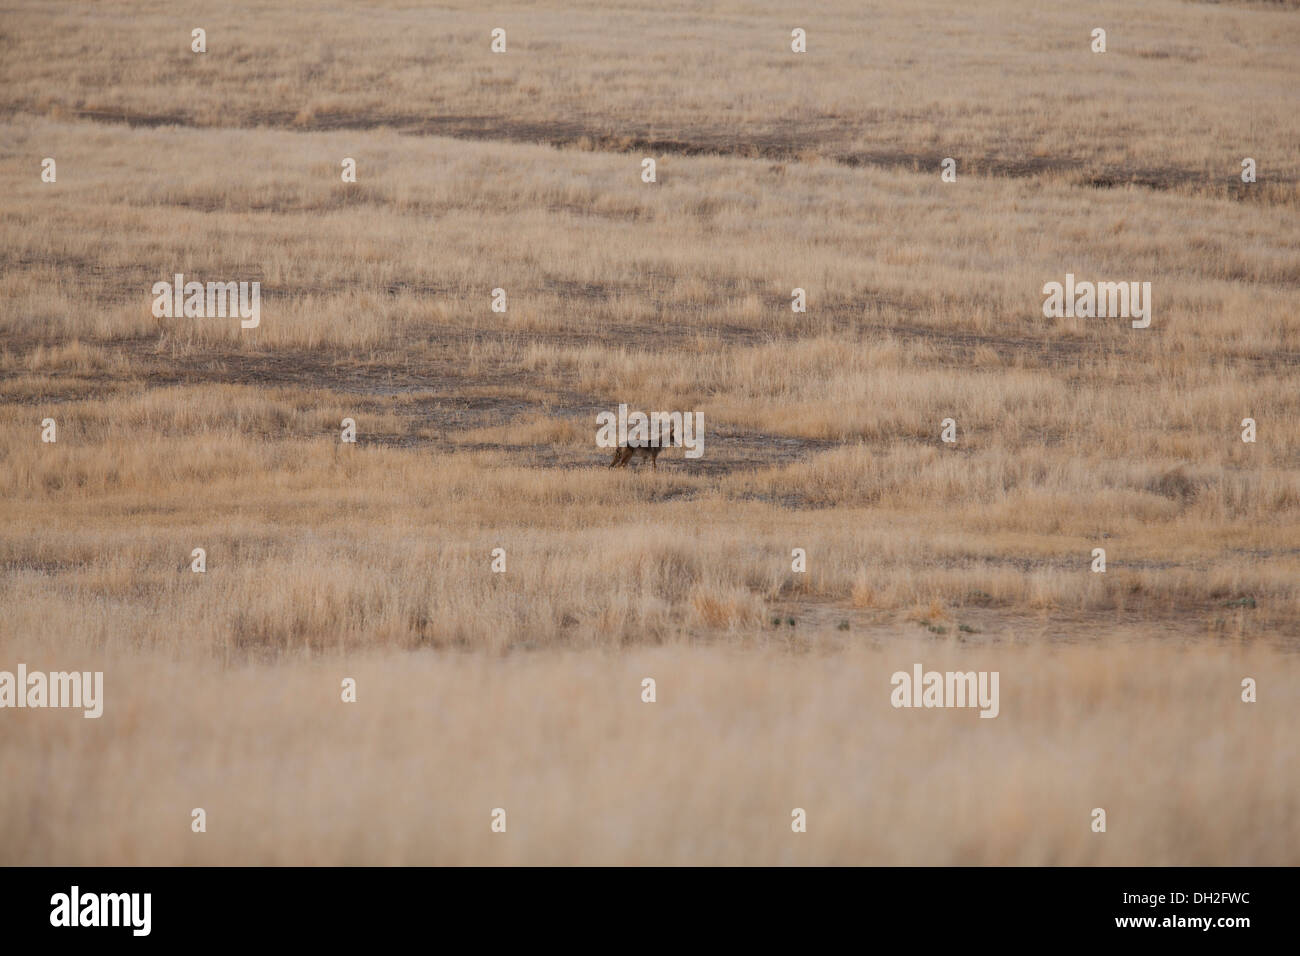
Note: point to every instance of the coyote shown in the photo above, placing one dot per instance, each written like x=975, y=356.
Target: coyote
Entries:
x=625, y=453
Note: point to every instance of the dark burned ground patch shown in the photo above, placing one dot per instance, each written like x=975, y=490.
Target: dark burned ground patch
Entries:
x=434, y=420
x=795, y=140
x=830, y=625
x=423, y=378
x=1008, y=167
x=430, y=394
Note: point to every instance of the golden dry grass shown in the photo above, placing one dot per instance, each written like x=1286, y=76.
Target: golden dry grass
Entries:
x=708, y=774
x=476, y=431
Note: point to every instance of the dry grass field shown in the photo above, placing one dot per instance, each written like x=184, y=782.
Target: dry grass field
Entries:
x=476, y=431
